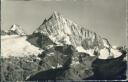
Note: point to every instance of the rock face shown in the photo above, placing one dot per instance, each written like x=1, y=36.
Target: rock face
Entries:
x=64, y=63
x=63, y=31
x=81, y=66
x=110, y=69
x=16, y=30
x=40, y=40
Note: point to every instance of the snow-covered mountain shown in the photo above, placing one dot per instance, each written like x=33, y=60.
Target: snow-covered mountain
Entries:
x=62, y=46
x=63, y=31
x=60, y=31
x=14, y=43
x=16, y=29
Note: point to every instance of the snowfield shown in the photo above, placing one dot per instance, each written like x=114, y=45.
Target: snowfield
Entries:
x=89, y=51
x=17, y=46
x=104, y=53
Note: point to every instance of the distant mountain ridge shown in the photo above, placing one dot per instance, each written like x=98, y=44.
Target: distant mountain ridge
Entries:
x=15, y=29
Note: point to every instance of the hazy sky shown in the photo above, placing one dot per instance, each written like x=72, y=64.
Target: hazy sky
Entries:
x=106, y=17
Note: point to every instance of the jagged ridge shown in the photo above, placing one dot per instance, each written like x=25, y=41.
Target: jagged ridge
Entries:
x=63, y=31
x=15, y=29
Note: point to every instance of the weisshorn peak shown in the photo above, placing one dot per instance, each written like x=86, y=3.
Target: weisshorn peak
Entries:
x=63, y=31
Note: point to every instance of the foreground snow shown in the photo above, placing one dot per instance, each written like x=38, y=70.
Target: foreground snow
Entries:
x=17, y=46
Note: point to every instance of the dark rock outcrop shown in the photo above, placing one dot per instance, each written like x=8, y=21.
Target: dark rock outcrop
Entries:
x=109, y=69
x=3, y=32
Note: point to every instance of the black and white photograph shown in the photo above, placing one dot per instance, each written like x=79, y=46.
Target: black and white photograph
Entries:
x=64, y=40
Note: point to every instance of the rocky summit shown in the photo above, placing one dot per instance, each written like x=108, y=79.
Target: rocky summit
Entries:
x=63, y=31
x=15, y=29
x=59, y=49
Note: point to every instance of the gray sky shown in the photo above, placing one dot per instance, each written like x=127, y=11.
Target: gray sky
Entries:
x=106, y=17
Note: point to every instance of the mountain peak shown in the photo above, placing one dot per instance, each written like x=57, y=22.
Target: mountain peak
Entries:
x=54, y=17
x=56, y=14
x=64, y=31
x=16, y=29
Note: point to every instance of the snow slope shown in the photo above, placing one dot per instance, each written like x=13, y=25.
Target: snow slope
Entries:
x=17, y=46
x=105, y=54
